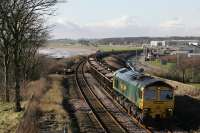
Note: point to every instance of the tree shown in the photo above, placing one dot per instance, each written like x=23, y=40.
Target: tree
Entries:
x=182, y=65
x=5, y=39
x=24, y=24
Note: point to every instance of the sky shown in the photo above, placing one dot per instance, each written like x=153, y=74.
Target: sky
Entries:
x=77, y=19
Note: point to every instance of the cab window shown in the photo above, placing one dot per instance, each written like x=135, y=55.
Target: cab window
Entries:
x=166, y=95
x=150, y=93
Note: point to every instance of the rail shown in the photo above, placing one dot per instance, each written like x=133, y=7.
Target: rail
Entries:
x=107, y=122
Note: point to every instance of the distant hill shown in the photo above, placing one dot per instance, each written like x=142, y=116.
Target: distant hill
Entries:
x=121, y=40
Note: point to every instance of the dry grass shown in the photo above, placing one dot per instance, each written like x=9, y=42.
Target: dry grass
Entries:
x=52, y=100
x=51, y=106
x=33, y=91
x=36, y=88
x=45, y=106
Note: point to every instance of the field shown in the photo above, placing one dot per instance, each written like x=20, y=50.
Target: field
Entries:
x=157, y=63
x=117, y=47
x=78, y=46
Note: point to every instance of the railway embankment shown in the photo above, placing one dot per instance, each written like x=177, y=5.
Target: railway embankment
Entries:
x=187, y=100
x=48, y=109
x=44, y=111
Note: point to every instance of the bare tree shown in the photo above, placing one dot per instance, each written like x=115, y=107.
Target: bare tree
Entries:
x=5, y=39
x=24, y=20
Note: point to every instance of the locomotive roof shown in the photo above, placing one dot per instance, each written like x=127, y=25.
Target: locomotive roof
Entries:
x=138, y=79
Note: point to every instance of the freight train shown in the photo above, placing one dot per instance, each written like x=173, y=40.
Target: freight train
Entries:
x=144, y=96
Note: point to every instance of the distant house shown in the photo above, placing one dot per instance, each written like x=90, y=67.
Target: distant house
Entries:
x=194, y=43
x=157, y=43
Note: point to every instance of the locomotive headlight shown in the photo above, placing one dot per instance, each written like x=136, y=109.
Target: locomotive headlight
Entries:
x=146, y=110
x=170, y=110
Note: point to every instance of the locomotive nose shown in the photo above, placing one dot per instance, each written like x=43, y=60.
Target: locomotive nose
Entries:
x=159, y=110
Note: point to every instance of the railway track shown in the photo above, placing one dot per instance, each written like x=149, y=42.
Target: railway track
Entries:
x=104, y=119
x=103, y=74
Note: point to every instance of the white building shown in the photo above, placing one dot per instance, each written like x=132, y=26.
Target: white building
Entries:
x=157, y=43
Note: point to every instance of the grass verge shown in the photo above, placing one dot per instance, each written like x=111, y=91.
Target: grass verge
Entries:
x=9, y=119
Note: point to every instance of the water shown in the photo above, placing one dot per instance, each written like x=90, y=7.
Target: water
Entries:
x=60, y=53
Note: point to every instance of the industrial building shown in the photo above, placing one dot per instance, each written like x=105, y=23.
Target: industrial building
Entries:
x=157, y=43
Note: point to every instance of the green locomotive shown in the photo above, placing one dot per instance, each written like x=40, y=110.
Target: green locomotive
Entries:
x=144, y=96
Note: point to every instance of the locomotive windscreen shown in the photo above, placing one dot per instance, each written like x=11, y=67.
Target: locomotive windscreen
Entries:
x=150, y=93
x=158, y=93
x=166, y=94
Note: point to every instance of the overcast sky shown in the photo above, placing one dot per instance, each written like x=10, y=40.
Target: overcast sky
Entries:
x=126, y=18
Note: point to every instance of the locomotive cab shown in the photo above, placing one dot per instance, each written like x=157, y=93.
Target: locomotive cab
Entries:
x=158, y=100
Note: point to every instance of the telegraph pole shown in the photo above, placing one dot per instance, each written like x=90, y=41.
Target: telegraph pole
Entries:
x=193, y=64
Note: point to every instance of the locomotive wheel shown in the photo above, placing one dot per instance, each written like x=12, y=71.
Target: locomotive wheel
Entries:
x=130, y=110
x=117, y=98
x=134, y=109
x=120, y=100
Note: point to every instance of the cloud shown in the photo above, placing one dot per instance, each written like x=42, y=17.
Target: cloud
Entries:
x=121, y=22
x=174, y=27
x=120, y=27
x=174, y=23
x=108, y=28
